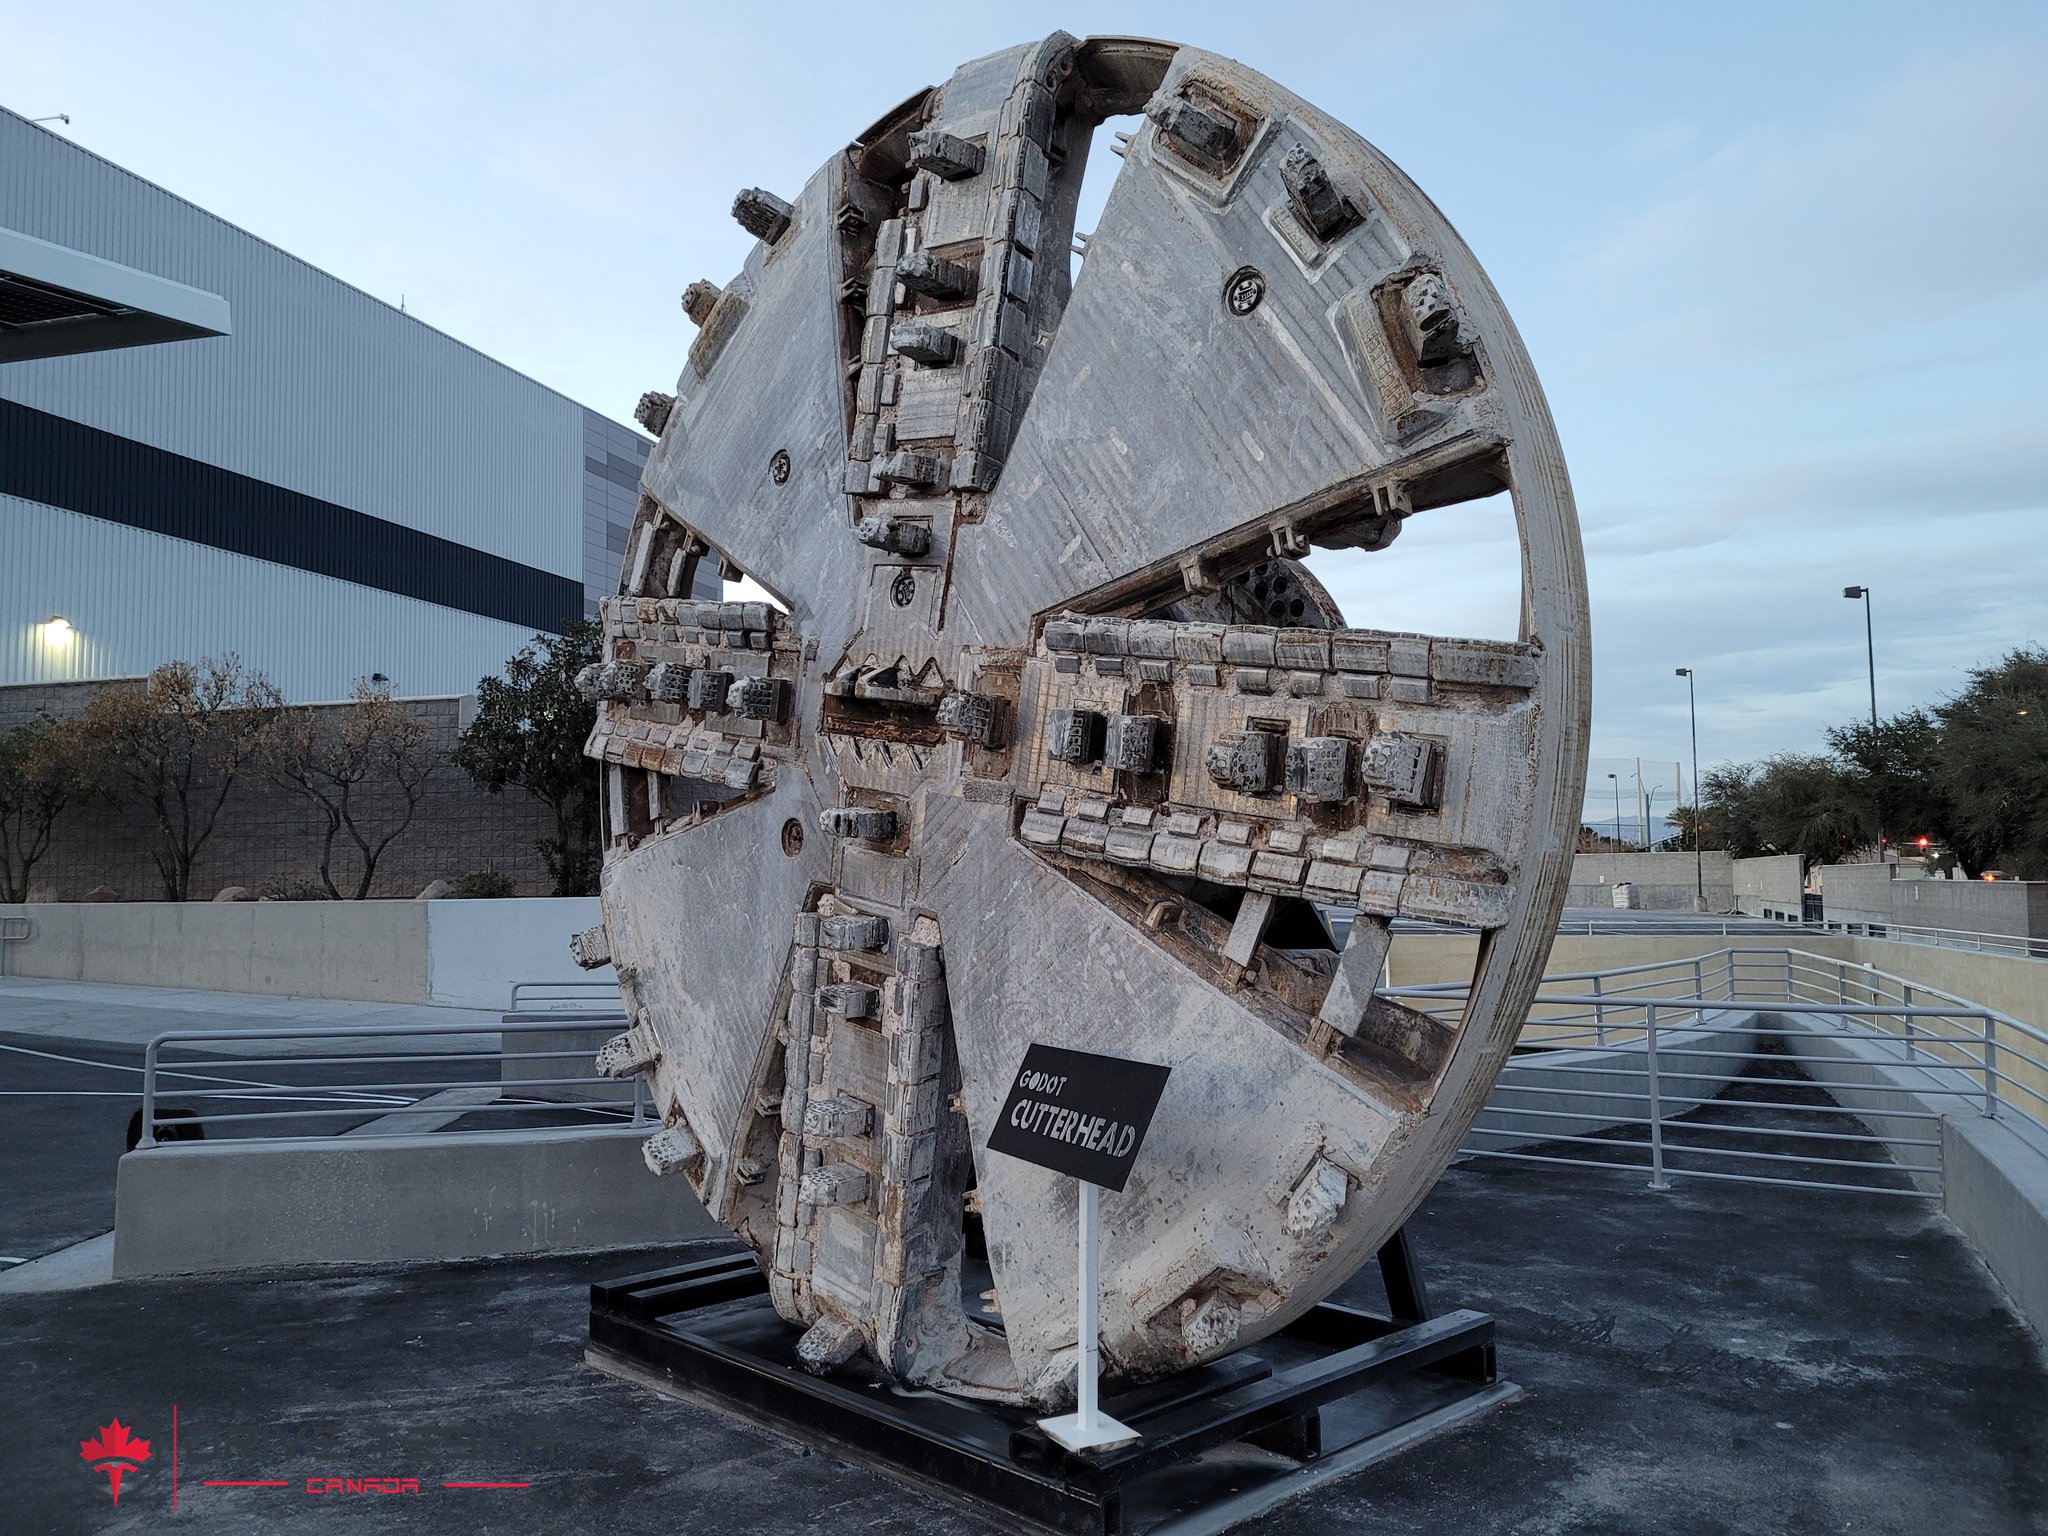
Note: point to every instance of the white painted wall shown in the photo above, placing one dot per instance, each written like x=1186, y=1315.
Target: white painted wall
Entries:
x=477, y=950
x=137, y=600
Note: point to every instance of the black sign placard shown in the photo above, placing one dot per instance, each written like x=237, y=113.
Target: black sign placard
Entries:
x=1078, y=1113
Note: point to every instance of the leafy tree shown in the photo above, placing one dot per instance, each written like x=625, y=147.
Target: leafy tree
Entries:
x=1730, y=815
x=1892, y=767
x=39, y=776
x=1790, y=803
x=1810, y=805
x=1684, y=830
x=175, y=748
x=364, y=769
x=529, y=731
x=1993, y=764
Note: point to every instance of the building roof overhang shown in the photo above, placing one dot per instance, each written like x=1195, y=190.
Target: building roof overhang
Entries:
x=55, y=301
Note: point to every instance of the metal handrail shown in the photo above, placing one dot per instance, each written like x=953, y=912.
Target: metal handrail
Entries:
x=578, y=991
x=2016, y=945
x=1800, y=982
x=152, y=1068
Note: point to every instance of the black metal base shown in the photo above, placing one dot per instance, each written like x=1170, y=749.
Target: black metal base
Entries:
x=1219, y=1442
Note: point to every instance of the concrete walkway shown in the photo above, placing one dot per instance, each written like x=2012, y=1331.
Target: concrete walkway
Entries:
x=95, y=1011
x=1715, y=1361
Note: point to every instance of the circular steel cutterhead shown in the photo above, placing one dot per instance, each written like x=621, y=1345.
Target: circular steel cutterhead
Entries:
x=1049, y=734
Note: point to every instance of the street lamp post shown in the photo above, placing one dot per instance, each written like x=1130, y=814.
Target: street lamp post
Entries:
x=1615, y=780
x=1869, y=643
x=1870, y=653
x=1699, y=858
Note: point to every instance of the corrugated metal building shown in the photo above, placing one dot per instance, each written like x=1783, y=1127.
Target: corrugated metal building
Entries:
x=312, y=479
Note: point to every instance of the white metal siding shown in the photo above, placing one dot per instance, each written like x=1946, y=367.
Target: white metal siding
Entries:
x=139, y=599
x=321, y=388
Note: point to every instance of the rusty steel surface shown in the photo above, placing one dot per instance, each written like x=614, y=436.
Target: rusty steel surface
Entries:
x=1050, y=736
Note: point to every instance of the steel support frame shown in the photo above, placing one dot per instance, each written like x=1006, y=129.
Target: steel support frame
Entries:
x=997, y=1459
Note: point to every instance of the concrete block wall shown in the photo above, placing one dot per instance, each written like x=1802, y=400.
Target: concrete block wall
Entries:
x=2013, y=908
x=268, y=837
x=1773, y=886
x=1856, y=893
x=1665, y=882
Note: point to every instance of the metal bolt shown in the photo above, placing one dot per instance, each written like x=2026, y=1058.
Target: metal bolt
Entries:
x=778, y=466
x=903, y=590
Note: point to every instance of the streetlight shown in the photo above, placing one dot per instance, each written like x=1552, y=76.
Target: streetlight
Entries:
x=1617, y=806
x=1870, y=650
x=1699, y=859
x=1869, y=644
x=57, y=632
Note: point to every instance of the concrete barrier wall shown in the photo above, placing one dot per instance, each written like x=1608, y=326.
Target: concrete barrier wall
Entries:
x=464, y=954
x=374, y=951
x=1994, y=1171
x=1856, y=893
x=476, y=950
x=1773, y=886
x=2017, y=909
x=2003, y=983
x=192, y=1207
x=1663, y=881
x=1997, y=1183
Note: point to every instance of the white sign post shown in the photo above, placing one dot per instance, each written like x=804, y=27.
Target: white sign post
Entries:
x=1087, y=1427
x=1085, y=1116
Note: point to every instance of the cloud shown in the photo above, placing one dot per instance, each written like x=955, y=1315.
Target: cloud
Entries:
x=1663, y=141
x=1919, y=200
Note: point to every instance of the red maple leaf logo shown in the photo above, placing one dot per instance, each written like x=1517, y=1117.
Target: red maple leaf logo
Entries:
x=114, y=1451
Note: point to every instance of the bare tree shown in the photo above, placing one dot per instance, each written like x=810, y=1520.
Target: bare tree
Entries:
x=175, y=748
x=364, y=768
x=39, y=777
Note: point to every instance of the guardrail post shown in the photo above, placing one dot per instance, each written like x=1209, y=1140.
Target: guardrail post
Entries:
x=1657, y=1179
x=1990, y=1065
x=639, y=1098
x=1912, y=1042
x=1699, y=982
x=148, y=1096
x=1841, y=981
x=1599, y=1015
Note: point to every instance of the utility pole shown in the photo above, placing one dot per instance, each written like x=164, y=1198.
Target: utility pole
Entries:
x=1699, y=858
x=1642, y=811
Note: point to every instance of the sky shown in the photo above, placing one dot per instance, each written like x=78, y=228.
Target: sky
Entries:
x=1782, y=269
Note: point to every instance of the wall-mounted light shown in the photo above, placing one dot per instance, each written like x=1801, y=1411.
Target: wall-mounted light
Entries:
x=57, y=632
